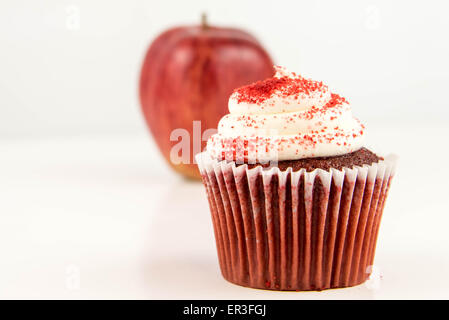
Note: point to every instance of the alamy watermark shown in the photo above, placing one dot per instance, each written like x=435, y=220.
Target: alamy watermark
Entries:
x=72, y=277
x=374, y=281
x=372, y=19
x=73, y=17
x=261, y=149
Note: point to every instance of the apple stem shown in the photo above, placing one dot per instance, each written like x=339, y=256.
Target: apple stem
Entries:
x=204, y=24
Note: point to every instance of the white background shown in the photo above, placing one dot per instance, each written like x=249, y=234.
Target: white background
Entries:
x=89, y=209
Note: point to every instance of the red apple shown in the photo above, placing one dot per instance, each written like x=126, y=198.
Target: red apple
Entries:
x=188, y=74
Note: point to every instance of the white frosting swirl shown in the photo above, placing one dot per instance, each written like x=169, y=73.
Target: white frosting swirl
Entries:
x=285, y=118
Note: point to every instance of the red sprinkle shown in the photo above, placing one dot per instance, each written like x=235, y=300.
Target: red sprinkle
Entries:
x=260, y=91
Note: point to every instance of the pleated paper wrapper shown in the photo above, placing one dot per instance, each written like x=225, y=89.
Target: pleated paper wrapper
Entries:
x=285, y=230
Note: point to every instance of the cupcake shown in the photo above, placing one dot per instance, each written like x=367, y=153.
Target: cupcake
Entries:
x=295, y=197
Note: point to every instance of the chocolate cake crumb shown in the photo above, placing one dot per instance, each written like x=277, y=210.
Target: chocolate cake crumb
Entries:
x=358, y=158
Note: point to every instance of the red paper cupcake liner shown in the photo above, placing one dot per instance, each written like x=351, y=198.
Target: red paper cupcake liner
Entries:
x=285, y=230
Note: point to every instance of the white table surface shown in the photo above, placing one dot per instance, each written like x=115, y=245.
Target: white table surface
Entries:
x=103, y=217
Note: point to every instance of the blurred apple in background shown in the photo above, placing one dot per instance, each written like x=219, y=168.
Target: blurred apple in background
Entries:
x=188, y=74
